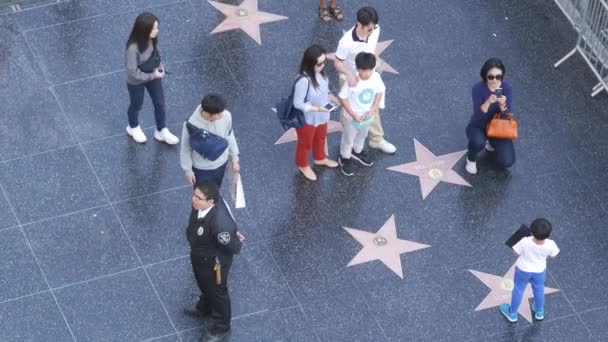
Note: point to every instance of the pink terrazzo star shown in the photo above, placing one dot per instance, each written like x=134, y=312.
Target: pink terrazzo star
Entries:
x=501, y=288
x=384, y=246
x=432, y=169
x=246, y=17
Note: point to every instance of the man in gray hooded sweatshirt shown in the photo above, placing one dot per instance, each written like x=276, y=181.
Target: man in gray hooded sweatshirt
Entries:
x=212, y=117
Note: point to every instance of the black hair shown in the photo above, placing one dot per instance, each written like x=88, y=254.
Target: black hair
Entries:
x=309, y=61
x=491, y=64
x=367, y=15
x=213, y=103
x=209, y=189
x=365, y=61
x=140, y=34
x=540, y=228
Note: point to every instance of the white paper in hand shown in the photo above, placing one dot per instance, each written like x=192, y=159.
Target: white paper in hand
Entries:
x=236, y=188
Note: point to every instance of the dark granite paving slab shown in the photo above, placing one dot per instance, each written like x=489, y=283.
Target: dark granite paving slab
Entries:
x=31, y=121
x=100, y=111
x=65, y=11
x=7, y=218
x=128, y=169
x=36, y=318
x=62, y=190
x=425, y=307
x=344, y=318
x=595, y=321
x=20, y=275
x=288, y=324
x=81, y=246
x=146, y=4
x=126, y=308
x=255, y=284
x=94, y=46
x=565, y=329
x=156, y=224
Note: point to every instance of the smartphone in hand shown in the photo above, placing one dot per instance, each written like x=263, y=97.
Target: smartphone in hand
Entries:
x=331, y=106
x=498, y=92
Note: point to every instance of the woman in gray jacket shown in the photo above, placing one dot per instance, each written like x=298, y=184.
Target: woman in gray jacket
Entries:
x=145, y=71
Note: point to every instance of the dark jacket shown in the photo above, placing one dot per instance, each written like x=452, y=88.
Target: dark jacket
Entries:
x=215, y=234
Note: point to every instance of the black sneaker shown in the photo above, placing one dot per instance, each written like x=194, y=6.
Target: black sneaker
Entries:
x=362, y=158
x=346, y=165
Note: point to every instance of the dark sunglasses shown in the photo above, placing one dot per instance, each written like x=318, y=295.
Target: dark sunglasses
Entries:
x=493, y=77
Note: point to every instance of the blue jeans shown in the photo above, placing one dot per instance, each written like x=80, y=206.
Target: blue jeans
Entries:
x=216, y=175
x=136, y=97
x=504, y=154
x=521, y=280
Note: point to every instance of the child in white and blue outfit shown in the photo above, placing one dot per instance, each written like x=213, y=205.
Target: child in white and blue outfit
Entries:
x=360, y=104
x=530, y=268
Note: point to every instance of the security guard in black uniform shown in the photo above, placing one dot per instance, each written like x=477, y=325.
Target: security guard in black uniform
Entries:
x=214, y=239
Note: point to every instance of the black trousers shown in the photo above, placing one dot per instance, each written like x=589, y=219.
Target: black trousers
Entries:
x=214, y=301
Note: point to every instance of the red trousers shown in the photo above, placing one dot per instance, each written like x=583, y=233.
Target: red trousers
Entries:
x=310, y=137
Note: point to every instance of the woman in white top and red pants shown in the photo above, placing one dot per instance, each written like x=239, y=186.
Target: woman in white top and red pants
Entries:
x=311, y=94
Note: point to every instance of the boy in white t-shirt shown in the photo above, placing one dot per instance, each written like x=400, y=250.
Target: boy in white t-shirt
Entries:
x=360, y=103
x=530, y=268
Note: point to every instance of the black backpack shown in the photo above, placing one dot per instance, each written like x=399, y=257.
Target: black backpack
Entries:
x=290, y=116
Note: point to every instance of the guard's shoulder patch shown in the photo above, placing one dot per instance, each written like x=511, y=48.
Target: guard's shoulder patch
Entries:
x=223, y=238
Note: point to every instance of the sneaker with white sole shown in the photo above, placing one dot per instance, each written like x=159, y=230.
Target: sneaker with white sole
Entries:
x=489, y=146
x=505, y=310
x=539, y=315
x=166, y=136
x=471, y=167
x=137, y=134
x=346, y=166
x=362, y=157
x=383, y=146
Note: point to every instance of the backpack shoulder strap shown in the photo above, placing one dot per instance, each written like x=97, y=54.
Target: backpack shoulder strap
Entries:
x=300, y=76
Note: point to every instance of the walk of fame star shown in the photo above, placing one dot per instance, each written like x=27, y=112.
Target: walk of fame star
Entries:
x=290, y=135
x=432, y=169
x=500, y=293
x=384, y=246
x=380, y=47
x=245, y=16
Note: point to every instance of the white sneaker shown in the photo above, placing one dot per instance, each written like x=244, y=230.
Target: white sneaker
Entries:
x=471, y=167
x=166, y=136
x=137, y=134
x=489, y=146
x=383, y=146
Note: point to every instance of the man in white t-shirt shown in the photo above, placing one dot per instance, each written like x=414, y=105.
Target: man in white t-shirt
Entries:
x=530, y=268
x=362, y=38
x=360, y=104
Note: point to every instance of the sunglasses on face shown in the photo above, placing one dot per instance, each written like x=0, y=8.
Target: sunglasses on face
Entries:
x=494, y=77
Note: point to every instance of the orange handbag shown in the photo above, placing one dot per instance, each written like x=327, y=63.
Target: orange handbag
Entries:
x=502, y=127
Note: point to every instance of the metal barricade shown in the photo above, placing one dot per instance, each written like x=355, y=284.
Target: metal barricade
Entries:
x=573, y=9
x=590, y=19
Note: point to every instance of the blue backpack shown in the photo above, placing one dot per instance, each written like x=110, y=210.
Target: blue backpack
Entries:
x=290, y=116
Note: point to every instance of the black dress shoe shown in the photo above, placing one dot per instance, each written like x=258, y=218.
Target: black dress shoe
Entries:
x=209, y=337
x=192, y=311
